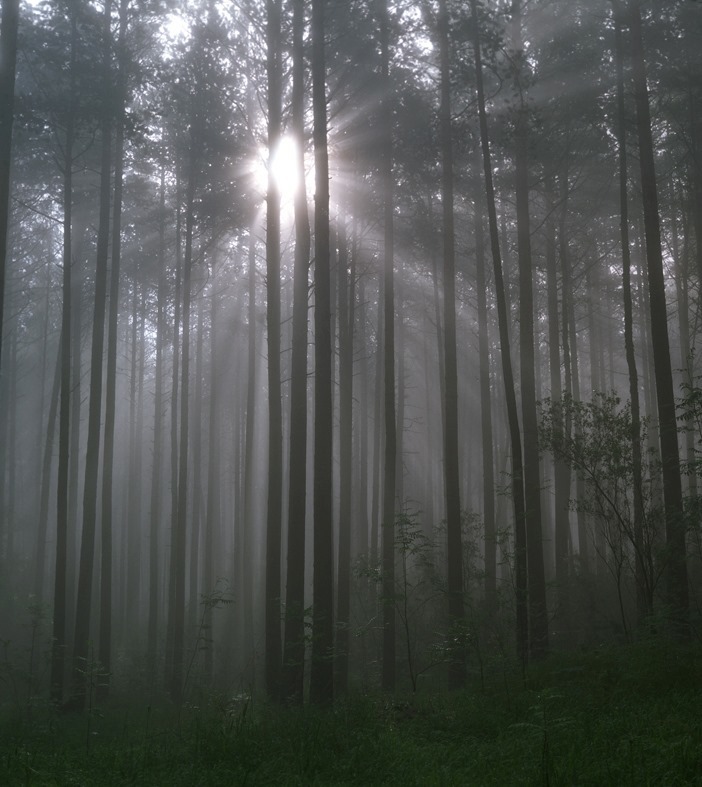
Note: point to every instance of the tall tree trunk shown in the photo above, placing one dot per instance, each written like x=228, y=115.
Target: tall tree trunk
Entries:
x=677, y=587
x=457, y=668
x=362, y=426
x=180, y=534
x=247, y=525
x=377, y=473
x=194, y=585
x=156, y=467
x=561, y=470
x=43, y=523
x=273, y=655
x=212, y=517
x=294, y=652
x=105, y=634
x=346, y=293
x=644, y=599
x=570, y=361
x=538, y=620
x=58, y=644
x=322, y=674
x=175, y=391
x=390, y=465
x=488, y=460
x=81, y=654
x=505, y=352
x=8, y=63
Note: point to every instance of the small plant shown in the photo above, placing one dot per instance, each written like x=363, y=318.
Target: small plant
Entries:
x=217, y=598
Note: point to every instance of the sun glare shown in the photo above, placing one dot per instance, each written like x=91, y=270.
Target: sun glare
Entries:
x=284, y=167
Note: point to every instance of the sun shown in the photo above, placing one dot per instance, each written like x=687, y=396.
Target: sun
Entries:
x=284, y=167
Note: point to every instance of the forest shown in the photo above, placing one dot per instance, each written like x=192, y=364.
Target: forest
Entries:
x=348, y=354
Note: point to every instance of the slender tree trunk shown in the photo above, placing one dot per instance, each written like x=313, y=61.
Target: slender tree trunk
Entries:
x=570, y=361
x=248, y=525
x=105, y=634
x=8, y=62
x=43, y=524
x=488, y=460
x=156, y=467
x=561, y=470
x=346, y=293
x=212, y=518
x=457, y=668
x=377, y=430
x=538, y=620
x=388, y=520
x=643, y=599
x=59, y=633
x=81, y=645
x=362, y=426
x=322, y=675
x=175, y=390
x=194, y=585
x=294, y=652
x=677, y=589
x=273, y=656
x=507, y=371
x=180, y=534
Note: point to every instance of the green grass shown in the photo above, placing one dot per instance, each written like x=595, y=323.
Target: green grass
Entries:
x=614, y=717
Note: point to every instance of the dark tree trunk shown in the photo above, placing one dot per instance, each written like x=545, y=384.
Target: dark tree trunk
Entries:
x=538, y=620
x=346, y=296
x=105, y=634
x=180, y=531
x=8, y=62
x=194, y=584
x=362, y=425
x=561, y=470
x=43, y=524
x=677, y=587
x=175, y=391
x=275, y=417
x=390, y=465
x=156, y=469
x=322, y=674
x=488, y=459
x=212, y=517
x=457, y=668
x=507, y=371
x=377, y=472
x=294, y=653
x=58, y=645
x=644, y=598
x=81, y=647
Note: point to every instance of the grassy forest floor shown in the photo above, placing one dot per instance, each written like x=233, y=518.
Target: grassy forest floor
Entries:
x=621, y=716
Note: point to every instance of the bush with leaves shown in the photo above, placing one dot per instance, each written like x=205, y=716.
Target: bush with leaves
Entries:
x=599, y=446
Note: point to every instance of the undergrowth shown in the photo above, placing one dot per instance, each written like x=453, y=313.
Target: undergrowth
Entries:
x=627, y=716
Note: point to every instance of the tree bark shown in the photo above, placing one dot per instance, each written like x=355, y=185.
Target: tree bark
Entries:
x=81, y=647
x=8, y=67
x=457, y=667
x=506, y=354
x=390, y=463
x=322, y=674
x=273, y=656
x=644, y=600
x=677, y=586
x=156, y=467
x=346, y=301
x=488, y=459
x=105, y=634
x=294, y=651
x=180, y=532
